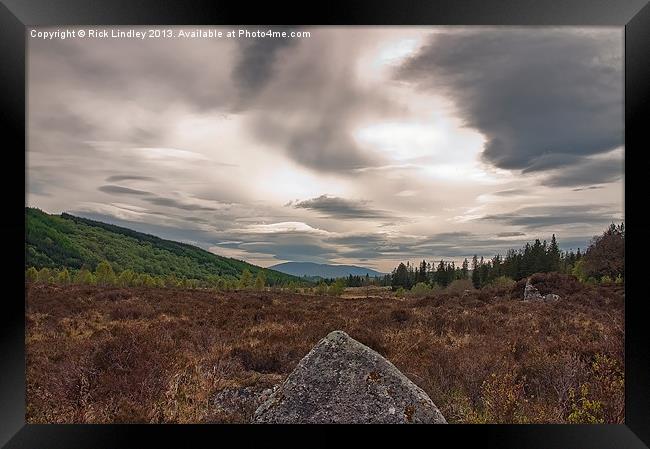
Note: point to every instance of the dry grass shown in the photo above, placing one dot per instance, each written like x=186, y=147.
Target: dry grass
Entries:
x=154, y=355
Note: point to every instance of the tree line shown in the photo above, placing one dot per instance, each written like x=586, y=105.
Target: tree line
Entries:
x=603, y=261
x=105, y=276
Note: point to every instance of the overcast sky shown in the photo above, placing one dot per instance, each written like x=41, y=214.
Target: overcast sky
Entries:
x=368, y=146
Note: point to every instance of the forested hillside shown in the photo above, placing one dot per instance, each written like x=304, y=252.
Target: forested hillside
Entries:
x=55, y=241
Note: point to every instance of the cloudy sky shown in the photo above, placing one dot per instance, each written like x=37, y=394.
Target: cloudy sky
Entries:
x=356, y=145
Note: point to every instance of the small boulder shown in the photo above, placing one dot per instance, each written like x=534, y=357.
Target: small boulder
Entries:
x=552, y=297
x=343, y=381
x=531, y=293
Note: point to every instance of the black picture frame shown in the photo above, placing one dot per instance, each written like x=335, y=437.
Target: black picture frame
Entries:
x=16, y=16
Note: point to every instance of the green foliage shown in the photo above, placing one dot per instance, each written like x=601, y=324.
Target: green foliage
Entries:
x=337, y=288
x=31, y=274
x=400, y=292
x=221, y=284
x=104, y=274
x=125, y=279
x=245, y=280
x=502, y=396
x=604, y=257
x=584, y=410
x=502, y=281
x=606, y=280
x=321, y=288
x=44, y=275
x=63, y=277
x=260, y=281
x=84, y=276
x=619, y=279
x=66, y=241
x=578, y=271
x=420, y=289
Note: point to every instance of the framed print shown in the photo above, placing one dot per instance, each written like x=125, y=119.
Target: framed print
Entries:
x=365, y=213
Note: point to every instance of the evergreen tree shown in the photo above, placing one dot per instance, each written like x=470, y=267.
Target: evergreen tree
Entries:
x=84, y=277
x=422, y=272
x=63, y=277
x=337, y=288
x=476, y=281
x=465, y=269
x=245, y=280
x=553, y=255
x=259, y=281
x=441, y=274
x=400, y=277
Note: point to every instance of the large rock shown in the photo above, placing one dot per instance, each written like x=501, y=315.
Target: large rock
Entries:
x=343, y=381
x=531, y=293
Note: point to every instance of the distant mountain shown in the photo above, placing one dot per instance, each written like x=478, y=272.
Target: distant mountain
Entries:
x=56, y=241
x=310, y=269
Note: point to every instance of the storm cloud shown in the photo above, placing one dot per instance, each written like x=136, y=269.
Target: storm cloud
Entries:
x=256, y=64
x=543, y=99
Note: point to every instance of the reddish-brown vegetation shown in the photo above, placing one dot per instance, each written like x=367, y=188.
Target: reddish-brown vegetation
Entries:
x=103, y=355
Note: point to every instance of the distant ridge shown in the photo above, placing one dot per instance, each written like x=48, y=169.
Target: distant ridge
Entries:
x=311, y=269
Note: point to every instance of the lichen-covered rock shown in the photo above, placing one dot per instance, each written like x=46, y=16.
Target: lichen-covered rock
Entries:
x=343, y=381
x=552, y=297
x=531, y=293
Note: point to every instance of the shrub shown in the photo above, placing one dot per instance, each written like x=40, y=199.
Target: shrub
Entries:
x=337, y=288
x=104, y=274
x=260, y=281
x=63, y=277
x=502, y=395
x=292, y=287
x=171, y=281
x=605, y=280
x=245, y=280
x=84, y=276
x=400, y=315
x=459, y=286
x=221, y=284
x=502, y=282
x=584, y=410
x=44, y=275
x=579, y=272
x=400, y=292
x=125, y=279
x=420, y=290
x=321, y=289
x=31, y=274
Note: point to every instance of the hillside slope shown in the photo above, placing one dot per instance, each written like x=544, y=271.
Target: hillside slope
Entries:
x=67, y=241
x=323, y=270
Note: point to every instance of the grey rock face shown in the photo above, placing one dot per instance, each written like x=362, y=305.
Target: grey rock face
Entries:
x=531, y=293
x=242, y=400
x=343, y=381
x=551, y=297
